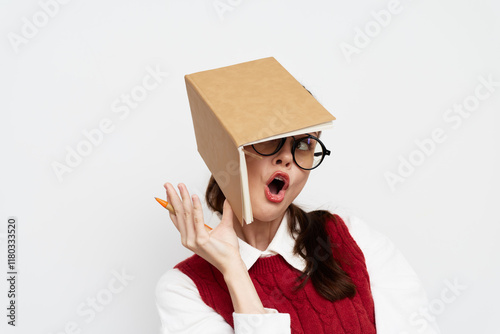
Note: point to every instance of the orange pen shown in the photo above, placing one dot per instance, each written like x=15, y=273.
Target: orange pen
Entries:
x=170, y=208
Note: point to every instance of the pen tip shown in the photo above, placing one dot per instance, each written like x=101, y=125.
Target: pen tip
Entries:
x=162, y=202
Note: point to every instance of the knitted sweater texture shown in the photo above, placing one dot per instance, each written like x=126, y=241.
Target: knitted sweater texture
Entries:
x=275, y=280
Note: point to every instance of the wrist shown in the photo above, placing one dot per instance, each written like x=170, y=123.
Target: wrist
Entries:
x=243, y=294
x=235, y=270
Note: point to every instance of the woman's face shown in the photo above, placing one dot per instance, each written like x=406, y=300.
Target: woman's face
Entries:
x=274, y=182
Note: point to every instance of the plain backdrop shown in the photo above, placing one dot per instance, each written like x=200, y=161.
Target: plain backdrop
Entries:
x=67, y=68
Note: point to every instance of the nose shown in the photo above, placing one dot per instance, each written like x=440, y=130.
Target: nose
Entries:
x=284, y=156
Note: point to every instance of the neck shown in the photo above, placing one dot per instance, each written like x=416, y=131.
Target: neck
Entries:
x=258, y=234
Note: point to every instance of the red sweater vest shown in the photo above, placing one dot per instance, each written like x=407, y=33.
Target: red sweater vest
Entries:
x=274, y=280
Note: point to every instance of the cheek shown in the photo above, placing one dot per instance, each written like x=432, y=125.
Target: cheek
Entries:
x=300, y=181
x=253, y=178
x=251, y=173
x=251, y=164
x=254, y=168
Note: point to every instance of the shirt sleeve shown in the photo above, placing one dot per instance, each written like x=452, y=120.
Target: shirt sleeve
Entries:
x=397, y=292
x=182, y=311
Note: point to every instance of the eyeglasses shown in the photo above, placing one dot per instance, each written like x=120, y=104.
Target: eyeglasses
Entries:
x=308, y=152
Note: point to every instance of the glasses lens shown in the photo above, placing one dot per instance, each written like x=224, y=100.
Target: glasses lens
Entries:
x=268, y=147
x=308, y=153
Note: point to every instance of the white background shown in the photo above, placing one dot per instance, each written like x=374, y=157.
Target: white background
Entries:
x=102, y=217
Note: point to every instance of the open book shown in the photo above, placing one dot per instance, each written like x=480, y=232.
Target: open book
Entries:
x=244, y=104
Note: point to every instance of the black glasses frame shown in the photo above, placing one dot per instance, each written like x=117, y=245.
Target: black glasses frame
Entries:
x=294, y=146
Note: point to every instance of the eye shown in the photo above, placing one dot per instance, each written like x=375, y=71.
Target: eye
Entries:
x=304, y=144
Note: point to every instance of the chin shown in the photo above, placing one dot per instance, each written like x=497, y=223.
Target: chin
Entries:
x=269, y=211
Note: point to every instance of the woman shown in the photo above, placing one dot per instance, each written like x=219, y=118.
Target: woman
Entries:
x=288, y=271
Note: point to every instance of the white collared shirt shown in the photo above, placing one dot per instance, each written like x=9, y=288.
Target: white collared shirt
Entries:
x=397, y=292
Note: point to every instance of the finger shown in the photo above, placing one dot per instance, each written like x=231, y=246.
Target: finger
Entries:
x=199, y=221
x=227, y=214
x=176, y=202
x=172, y=216
x=187, y=215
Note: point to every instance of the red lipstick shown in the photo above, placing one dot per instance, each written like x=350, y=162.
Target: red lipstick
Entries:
x=276, y=186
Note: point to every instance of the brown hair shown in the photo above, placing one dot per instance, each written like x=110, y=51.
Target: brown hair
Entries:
x=326, y=275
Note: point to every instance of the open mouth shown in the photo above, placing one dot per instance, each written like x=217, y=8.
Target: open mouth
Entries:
x=276, y=186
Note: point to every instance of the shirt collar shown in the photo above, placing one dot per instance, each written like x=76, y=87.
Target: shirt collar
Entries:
x=282, y=244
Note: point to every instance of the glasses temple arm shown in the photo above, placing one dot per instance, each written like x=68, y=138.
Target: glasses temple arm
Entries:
x=327, y=152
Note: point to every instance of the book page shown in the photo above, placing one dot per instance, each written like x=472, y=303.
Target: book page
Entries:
x=314, y=128
x=245, y=191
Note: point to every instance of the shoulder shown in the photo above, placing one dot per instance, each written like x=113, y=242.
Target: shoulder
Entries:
x=380, y=253
x=176, y=293
x=353, y=224
x=348, y=229
x=180, y=279
x=386, y=264
x=344, y=222
x=173, y=285
x=397, y=290
x=366, y=237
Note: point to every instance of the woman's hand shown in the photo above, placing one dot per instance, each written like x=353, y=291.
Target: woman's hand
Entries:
x=219, y=246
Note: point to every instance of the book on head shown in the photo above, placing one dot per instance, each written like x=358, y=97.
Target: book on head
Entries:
x=243, y=104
